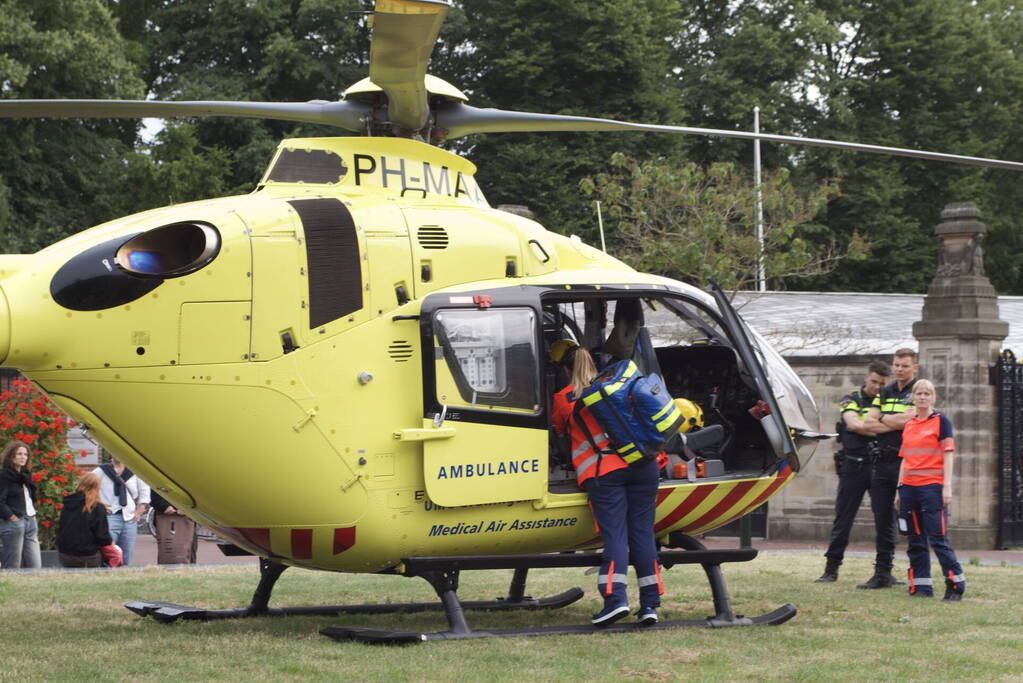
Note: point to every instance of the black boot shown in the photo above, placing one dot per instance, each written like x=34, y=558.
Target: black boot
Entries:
x=952, y=592
x=882, y=578
x=830, y=574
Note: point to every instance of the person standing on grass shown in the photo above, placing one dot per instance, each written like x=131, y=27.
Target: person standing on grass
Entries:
x=126, y=498
x=83, y=529
x=622, y=498
x=891, y=410
x=924, y=496
x=175, y=533
x=18, y=528
x=852, y=464
x=18, y=531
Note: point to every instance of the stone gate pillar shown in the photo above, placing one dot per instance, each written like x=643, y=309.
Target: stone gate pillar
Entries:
x=959, y=334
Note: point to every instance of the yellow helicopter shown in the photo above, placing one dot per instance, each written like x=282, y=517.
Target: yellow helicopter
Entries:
x=347, y=369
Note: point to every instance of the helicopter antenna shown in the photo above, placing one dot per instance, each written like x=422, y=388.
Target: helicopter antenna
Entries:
x=600, y=224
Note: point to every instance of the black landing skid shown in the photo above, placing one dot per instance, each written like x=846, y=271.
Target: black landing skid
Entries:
x=270, y=572
x=442, y=573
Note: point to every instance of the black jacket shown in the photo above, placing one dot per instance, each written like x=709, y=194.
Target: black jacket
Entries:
x=80, y=532
x=12, y=496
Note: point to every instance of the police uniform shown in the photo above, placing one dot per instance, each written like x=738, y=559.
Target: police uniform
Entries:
x=884, y=479
x=852, y=463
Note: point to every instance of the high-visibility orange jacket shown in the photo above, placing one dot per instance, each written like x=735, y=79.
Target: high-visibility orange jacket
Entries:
x=924, y=443
x=584, y=459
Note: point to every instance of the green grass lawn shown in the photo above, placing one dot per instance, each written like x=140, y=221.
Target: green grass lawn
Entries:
x=72, y=626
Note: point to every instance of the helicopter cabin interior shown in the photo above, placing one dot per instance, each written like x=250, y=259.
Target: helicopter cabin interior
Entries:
x=492, y=359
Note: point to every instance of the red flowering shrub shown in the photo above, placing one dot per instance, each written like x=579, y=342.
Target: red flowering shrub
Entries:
x=28, y=415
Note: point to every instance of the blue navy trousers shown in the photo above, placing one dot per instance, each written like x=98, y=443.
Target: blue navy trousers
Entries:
x=623, y=503
x=926, y=519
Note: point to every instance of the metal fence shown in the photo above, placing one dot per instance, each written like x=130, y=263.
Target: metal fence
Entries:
x=1009, y=382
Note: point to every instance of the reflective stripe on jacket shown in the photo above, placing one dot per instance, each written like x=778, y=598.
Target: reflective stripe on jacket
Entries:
x=584, y=460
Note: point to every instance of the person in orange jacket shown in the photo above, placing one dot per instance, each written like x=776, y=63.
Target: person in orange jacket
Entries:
x=623, y=498
x=924, y=495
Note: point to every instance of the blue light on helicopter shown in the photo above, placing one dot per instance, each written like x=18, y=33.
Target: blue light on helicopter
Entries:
x=170, y=250
x=148, y=262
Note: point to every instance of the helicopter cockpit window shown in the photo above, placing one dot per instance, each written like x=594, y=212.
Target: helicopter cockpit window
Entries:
x=487, y=359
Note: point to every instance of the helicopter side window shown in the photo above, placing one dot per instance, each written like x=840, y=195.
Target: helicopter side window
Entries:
x=487, y=359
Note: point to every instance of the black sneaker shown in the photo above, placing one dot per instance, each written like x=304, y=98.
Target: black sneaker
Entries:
x=880, y=580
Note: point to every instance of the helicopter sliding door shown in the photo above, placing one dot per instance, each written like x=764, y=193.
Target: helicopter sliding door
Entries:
x=482, y=384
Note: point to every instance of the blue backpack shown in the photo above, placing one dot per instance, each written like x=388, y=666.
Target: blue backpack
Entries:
x=636, y=411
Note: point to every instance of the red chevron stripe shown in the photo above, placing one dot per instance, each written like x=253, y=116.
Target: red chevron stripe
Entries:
x=257, y=537
x=662, y=494
x=686, y=506
x=344, y=538
x=725, y=504
x=779, y=480
x=302, y=544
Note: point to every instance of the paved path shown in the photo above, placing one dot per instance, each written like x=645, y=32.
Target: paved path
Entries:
x=816, y=549
x=209, y=553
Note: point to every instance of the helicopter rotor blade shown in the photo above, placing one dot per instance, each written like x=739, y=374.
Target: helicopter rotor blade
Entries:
x=347, y=115
x=404, y=33
x=460, y=119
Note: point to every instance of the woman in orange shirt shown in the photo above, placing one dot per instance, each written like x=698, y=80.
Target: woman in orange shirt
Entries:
x=925, y=492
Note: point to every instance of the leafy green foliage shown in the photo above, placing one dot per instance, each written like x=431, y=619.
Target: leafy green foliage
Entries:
x=241, y=50
x=60, y=176
x=694, y=223
x=931, y=74
x=577, y=57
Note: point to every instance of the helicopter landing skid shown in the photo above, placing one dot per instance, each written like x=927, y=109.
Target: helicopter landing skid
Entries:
x=442, y=573
x=168, y=612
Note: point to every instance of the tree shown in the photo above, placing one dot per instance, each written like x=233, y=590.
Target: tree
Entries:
x=606, y=58
x=694, y=223
x=59, y=176
x=240, y=50
x=932, y=74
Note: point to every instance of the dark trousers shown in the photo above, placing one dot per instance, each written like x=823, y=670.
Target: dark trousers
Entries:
x=623, y=505
x=922, y=508
x=884, y=481
x=82, y=561
x=853, y=482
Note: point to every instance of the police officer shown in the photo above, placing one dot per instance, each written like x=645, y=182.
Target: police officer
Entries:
x=891, y=410
x=852, y=463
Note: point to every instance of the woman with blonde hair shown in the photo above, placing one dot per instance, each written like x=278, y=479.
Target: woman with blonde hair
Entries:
x=925, y=493
x=622, y=497
x=83, y=526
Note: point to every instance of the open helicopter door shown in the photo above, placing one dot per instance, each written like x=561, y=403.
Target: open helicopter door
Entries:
x=484, y=433
x=772, y=420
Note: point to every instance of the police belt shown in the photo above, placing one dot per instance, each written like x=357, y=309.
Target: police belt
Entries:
x=859, y=456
